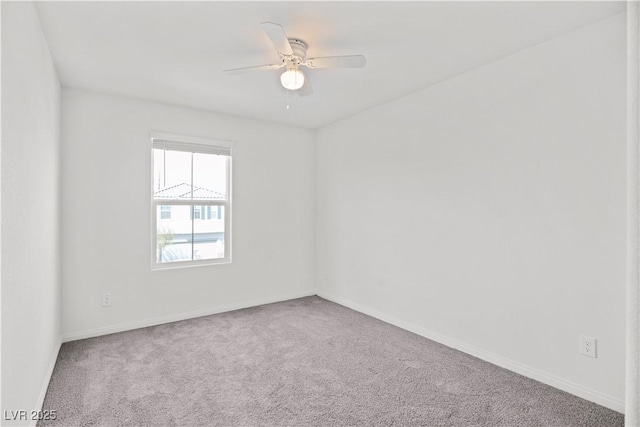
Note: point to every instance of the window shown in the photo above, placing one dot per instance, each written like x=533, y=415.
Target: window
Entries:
x=165, y=212
x=196, y=212
x=191, y=206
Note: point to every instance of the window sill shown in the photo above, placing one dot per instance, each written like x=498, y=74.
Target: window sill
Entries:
x=188, y=264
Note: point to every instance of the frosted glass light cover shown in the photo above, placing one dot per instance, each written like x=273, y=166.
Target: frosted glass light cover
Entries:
x=292, y=79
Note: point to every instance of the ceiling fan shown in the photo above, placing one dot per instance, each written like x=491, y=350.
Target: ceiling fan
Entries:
x=293, y=55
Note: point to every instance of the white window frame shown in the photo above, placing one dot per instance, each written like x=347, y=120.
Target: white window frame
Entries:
x=191, y=144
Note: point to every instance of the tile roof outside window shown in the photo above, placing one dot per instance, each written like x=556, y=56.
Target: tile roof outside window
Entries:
x=183, y=191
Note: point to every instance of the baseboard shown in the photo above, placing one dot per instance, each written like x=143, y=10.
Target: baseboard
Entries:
x=605, y=400
x=90, y=333
x=47, y=379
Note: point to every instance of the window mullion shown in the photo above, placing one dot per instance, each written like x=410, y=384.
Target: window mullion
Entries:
x=176, y=202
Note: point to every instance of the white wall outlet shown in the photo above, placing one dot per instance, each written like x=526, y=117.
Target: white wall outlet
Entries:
x=106, y=299
x=588, y=346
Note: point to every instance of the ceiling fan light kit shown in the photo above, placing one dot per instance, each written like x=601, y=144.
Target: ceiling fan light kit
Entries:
x=292, y=79
x=293, y=54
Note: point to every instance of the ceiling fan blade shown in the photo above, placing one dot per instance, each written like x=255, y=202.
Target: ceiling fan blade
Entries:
x=347, y=61
x=306, y=88
x=278, y=37
x=234, y=71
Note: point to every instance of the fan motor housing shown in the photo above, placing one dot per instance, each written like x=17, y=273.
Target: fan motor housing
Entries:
x=299, y=48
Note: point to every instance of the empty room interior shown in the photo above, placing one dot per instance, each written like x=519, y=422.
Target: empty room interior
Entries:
x=318, y=213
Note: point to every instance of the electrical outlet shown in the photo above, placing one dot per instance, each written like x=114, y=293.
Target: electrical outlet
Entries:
x=588, y=346
x=106, y=299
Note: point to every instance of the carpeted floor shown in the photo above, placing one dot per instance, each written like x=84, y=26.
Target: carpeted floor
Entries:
x=296, y=363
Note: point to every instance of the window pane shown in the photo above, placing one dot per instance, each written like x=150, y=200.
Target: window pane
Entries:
x=209, y=176
x=171, y=174
x=174, y=235
x=209, y=234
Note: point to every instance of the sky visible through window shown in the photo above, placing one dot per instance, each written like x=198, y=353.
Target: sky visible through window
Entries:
x=173, y=168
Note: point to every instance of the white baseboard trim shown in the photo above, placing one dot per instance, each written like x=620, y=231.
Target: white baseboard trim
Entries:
x=47, y=379
x=90, y=333
x=605, y=400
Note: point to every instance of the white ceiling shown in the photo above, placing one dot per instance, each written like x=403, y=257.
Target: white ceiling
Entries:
x=175, y=51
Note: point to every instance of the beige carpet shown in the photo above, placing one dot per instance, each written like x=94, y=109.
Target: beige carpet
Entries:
x=296, y=363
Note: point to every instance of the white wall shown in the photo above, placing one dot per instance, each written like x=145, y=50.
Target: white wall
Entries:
x=488, y=211
x=30, y=216
x=106, y=215
x=632, y=371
